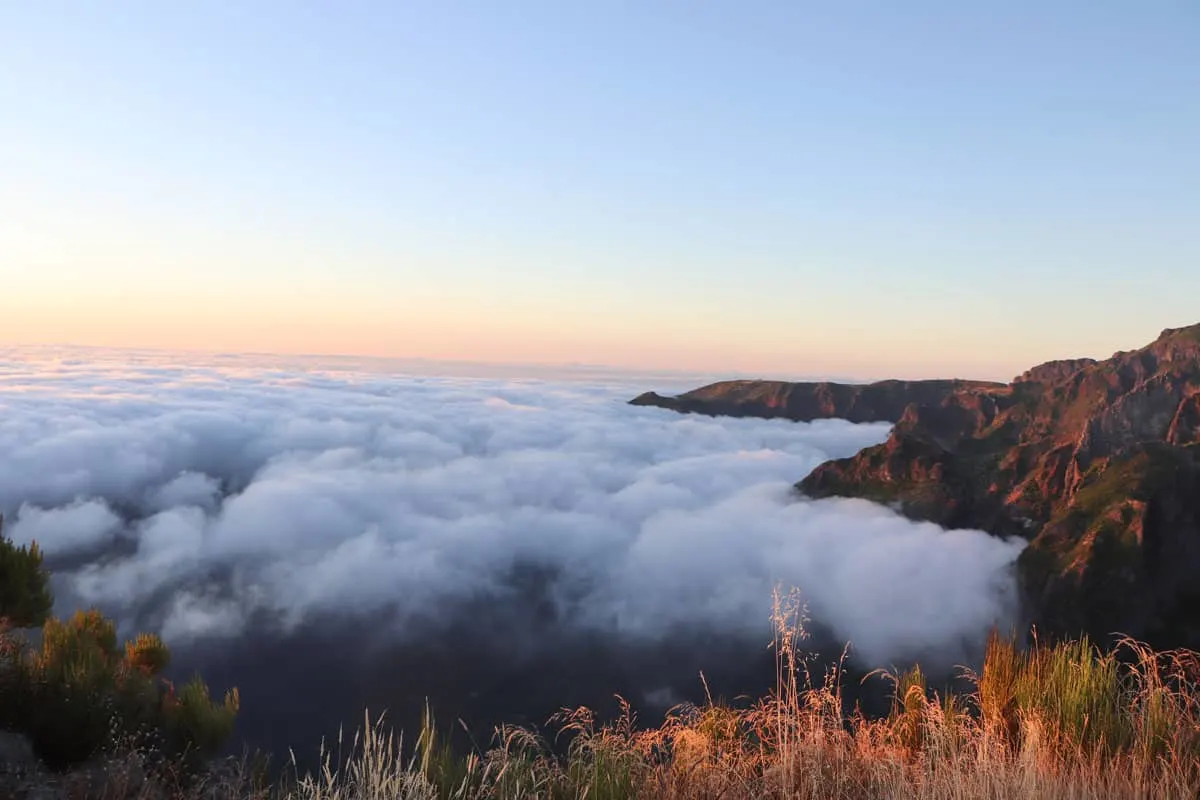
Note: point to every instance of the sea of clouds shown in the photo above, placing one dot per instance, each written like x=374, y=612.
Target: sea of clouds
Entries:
x=224, y=501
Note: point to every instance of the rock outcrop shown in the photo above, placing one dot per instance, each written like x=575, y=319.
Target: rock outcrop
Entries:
x=1053, y=371
x=1096, y=463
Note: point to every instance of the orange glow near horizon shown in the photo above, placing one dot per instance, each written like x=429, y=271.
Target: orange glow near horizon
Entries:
x=230, y=326
x=680, y=330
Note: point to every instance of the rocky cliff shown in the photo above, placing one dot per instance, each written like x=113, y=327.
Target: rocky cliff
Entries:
x=1097, y=463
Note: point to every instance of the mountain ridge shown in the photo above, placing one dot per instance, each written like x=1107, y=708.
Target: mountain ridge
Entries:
x=1095, y=462
x=881, y=401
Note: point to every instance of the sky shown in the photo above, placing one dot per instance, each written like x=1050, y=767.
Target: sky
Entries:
x=781, y=188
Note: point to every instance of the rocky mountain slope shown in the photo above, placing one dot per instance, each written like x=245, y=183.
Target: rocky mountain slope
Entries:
x=1097, y=463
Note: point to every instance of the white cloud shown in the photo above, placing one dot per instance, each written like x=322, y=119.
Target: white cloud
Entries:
x=188, y=489
x=78, y=525
x=303, y=492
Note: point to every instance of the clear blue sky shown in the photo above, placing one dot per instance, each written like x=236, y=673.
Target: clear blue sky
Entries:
x=909, y=188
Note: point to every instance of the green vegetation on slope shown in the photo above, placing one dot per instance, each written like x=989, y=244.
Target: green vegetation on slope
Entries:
x=80, y=693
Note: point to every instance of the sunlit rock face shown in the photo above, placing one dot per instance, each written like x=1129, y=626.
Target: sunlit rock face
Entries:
x=1098, y=463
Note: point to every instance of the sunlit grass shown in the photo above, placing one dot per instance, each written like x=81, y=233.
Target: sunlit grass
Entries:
x=1061, y=721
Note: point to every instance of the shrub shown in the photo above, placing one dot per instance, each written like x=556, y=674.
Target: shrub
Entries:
x=69, y=689
x=81, y=693
x=147, y=653
x=25, y=599
x=195, y=725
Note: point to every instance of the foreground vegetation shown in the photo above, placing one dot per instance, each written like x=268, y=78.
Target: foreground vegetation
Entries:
x=79, y=694
x=1062, y=721
x=1047, y=721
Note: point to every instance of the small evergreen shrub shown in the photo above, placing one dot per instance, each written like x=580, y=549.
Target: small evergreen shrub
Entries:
x=195, y=725
x=25, y=599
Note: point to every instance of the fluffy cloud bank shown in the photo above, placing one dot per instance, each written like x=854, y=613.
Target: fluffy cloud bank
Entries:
x=380, y=526
x=190, y=499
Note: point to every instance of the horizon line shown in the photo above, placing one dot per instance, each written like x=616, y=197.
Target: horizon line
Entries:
x=577, y=366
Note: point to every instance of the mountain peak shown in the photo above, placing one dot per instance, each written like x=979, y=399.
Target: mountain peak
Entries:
x=1189, y=332
x=1096, y=462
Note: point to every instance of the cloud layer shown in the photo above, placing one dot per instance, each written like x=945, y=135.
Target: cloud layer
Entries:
x=207, y=502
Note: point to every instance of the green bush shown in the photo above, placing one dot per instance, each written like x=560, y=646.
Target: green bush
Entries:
x=81, y=693
x=195, y=725
x=148, y=653
x=25, y=599
x=70, y=687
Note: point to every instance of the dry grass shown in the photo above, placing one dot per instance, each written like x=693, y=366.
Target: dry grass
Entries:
x=1048, y=722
